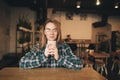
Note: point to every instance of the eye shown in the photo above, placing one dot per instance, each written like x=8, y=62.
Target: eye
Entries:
x=47, y=29
x=55, y=30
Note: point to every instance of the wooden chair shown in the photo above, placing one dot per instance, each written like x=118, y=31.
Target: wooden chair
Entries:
x=116, y=60
x=101, y=66
x=86, y=61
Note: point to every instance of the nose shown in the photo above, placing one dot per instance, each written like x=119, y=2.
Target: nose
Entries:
x=51, y=32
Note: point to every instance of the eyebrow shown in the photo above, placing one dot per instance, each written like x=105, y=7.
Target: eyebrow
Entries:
x=50, y=28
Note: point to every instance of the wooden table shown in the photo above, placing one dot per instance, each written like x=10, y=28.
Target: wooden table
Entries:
x=97, y=55
x=50, y=74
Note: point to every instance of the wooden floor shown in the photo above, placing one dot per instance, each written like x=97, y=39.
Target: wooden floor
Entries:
x=12, y=61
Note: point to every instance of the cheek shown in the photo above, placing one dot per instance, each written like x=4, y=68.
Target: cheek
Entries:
x=55, y=33
x=46, y=33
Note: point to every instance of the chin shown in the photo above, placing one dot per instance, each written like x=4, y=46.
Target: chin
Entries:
x=51, y=39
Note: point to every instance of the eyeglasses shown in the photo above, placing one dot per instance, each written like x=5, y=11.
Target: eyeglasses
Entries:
x=49, y=30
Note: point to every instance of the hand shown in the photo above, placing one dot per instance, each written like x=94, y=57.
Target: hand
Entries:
x=46, y=52
x=55, y=53
x=51, y=50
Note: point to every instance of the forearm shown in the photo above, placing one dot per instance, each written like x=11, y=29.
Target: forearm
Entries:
x=70, y=62
x=32, y=60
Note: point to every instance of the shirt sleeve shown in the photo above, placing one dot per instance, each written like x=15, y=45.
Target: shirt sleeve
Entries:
x=32, y=59
x=70, y=60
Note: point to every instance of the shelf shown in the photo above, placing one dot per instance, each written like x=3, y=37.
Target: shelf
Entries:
x=24, y=33
x=24, y=44
x=37, y=31
x=25, y=29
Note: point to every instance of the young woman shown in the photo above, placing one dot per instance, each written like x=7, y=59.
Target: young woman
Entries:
x=51, y=52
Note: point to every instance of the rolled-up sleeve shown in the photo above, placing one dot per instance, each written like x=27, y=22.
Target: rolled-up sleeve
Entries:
x=70, y=60
x=32, y=59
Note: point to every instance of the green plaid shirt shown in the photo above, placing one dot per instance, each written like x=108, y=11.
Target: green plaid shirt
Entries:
x=35, y=58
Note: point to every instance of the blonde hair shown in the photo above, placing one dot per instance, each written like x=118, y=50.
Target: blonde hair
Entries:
x=43, y=39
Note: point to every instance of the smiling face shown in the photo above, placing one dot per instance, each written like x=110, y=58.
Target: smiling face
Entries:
x=51, y=32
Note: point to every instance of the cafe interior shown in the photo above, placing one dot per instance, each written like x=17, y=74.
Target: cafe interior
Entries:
x=93, y=25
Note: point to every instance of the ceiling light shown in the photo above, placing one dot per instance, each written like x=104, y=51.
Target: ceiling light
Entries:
x=116, y=5
x=78, y=4
x=98, y=2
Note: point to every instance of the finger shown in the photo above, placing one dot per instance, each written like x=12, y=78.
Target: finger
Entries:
x=47, y=46
x=52, y=54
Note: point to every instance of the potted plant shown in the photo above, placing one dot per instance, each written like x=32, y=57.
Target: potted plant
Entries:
x=24, y=22
x=21, y=41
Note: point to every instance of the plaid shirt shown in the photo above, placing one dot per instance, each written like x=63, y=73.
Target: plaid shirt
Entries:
x=35, y=58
